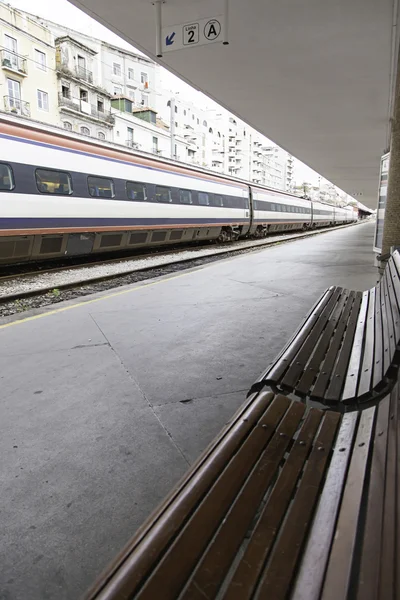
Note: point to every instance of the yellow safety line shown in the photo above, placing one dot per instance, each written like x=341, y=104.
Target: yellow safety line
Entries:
x=84, y=303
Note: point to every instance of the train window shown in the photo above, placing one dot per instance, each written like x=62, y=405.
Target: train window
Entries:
x=100, y=187
x=185, y=196
x=6, y=178
x=217, y=200
x=163, y=194
x=136, y=191
x=53, y=182
x=272, y=206
x=203, y=199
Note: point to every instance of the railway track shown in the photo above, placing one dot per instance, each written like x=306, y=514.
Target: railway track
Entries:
x=53, y=281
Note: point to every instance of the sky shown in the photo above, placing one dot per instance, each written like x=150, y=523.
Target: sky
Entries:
x=62, y=11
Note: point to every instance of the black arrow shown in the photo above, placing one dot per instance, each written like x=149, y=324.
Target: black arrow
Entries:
x=169, y=40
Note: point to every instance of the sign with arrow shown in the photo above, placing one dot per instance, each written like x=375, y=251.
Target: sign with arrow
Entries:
x=196, y=33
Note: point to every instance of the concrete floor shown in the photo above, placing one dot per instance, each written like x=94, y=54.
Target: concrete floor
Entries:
x=105, y=402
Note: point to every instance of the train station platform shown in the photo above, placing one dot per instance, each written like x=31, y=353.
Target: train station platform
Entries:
x=106, y=400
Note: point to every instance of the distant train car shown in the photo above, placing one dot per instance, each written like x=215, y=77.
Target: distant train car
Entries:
x=66, y=196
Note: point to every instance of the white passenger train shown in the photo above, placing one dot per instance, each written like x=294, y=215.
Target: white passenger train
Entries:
x=63, y=196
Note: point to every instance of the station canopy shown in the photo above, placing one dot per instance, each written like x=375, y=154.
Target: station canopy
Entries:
x=315, y=77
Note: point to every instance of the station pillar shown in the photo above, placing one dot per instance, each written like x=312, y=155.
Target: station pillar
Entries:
x=391, y=225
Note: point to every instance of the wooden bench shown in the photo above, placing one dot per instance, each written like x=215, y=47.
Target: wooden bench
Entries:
x=292, y=500
x=344, y=355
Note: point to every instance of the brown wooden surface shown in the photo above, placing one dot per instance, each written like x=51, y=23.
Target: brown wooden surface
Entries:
x=315, y=557
x=389, y=345
x=300, y=360
x=368, y=583
x=338, y=573
x=318, y=361
x=353, y=369
x=339, y=373
x=366, y=370
x=278, y=575
x=378, y=338
x=220, y=554
x=250, y=566
x=169, y=577
x=390, y=545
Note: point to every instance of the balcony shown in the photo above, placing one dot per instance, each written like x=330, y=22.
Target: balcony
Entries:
x=17, y=107
x=10, y=61
x=84, y=74
x=132, y=144
x=85, y=108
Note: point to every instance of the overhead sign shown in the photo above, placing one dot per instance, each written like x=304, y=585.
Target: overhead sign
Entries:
x=197, y=33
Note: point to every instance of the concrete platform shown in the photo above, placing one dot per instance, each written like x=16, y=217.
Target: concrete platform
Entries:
x=104, y=402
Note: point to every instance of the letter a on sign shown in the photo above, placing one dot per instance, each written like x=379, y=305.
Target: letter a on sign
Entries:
x=212, y=29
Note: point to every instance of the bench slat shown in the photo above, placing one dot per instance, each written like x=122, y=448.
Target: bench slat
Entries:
x=339, y=316
x=299, y=361
x=389, y=346
x=220, y=554
x=366, y=368
x=325, y=372
x=170, y=576
x=394, y=291
x=282, y=362
x=350, y=384
x=278, y=575
x=337, y=578
x=333, y=393
x=387, y=584
x=378, y=341
x=247, y=573
x=368, y=580
x=312, y=569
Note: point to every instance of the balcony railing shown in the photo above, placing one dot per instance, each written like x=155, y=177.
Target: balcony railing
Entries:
x=13, y=62
x=83, y=107
x=132, y=144
x=84, y=74
x=17, y=106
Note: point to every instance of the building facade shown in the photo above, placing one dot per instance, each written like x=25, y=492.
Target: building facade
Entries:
x=27, y=76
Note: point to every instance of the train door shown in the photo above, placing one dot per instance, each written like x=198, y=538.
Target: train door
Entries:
x=250, y=211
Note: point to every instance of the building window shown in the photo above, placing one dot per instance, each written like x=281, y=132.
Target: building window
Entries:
x=132, y=95
x=131, y=74
x=117, y=69
x=83, y=95
x=176, y=109
x=53, y=182
x=100, y=105
x=65, y=91
x=204, y=123
x=117, y=90
x=67, y=125
x=176, y=123
x=144, y=78
x=85, y=130
x=43, y=100
x=155, y=145
x=11, y=55
x=40, y=60
x=14, y=94
x=101, y=135
x=144, y=101
x=192, y=117
x=129, y=136
x=184, y=113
